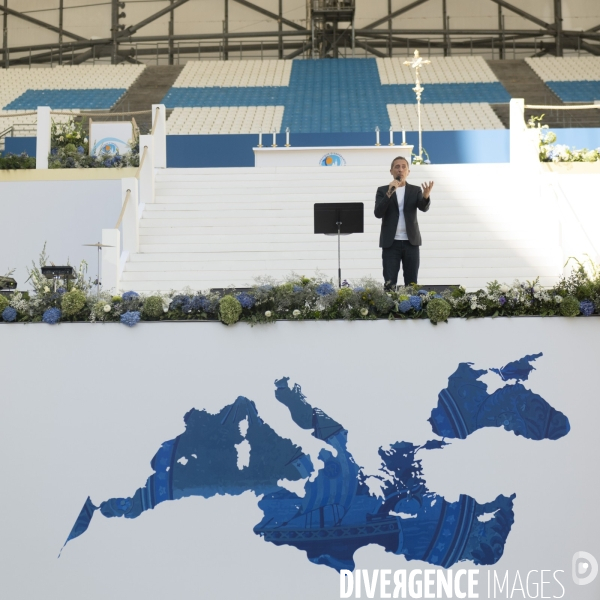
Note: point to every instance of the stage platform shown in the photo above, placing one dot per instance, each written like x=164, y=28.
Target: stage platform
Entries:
x=218, y=227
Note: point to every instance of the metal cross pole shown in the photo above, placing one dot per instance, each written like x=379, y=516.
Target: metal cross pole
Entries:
x=416, y=63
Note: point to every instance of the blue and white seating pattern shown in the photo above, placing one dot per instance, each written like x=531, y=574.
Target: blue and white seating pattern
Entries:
x=444, y=117
x=572, y=79
x=67, y=87
x=322, y=96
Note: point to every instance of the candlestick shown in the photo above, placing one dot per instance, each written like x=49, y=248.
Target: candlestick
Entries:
x=260, y=139
x=377, y=136
x=274, y=144
x=391, y=137
x=403, y=137
x=287, y=137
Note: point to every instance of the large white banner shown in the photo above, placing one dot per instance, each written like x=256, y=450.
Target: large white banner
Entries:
x=194, y=460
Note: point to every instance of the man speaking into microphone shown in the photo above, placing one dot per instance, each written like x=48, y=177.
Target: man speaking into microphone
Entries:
x=396, y=205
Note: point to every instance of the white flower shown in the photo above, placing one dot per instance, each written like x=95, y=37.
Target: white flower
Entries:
x=474, y=306
x=504, y=288
x=106, y=308
x=46, y=289
x=77, y=136
x=558, y=299
x=61, y=139
x=85, y=140
x=537, y=288
x=364, y=312
x=296, y=313
x=268, y=314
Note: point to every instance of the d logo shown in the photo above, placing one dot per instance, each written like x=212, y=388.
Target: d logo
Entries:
x=585, y=568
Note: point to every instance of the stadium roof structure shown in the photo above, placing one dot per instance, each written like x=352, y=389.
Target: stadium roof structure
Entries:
x=327, y=31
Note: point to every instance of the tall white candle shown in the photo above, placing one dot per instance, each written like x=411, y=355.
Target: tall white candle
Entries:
x=274, y=139
x=260, y=139
x=377, y=136
x=403, y=137
x=287, y=136
x=391, y=136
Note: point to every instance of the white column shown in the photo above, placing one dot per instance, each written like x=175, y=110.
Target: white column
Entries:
x=524, y=142
x=111, y=260
x=130, y=238
x=42, y=144
x=147, y=170
x=159, y=118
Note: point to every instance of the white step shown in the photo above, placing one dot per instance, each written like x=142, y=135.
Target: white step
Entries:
x=221, y=227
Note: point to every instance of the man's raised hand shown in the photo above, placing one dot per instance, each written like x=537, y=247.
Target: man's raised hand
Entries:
x=427, y=187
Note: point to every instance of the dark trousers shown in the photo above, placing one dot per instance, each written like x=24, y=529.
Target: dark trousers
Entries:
x=401, y=251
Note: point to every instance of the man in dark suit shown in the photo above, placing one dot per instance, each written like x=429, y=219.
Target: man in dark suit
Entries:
x=396, y=204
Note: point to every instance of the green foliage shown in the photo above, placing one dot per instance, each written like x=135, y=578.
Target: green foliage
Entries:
x=230, y=310
x=438, y=310
x=549, y=151
x=70, y=150
x=153, y=307
x=569, y=307
x=3, y=302
x=17, y=161
x=72, y=303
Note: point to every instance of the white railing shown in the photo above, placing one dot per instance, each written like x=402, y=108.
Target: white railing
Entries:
x=136, y=192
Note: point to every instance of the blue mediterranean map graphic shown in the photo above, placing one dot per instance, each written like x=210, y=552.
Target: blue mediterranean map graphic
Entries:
x=338, y=513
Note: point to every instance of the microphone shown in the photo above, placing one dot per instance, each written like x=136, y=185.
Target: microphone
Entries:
x=390, y=190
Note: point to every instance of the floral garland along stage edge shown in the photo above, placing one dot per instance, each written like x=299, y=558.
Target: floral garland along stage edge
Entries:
x=299, y=298
x=549, y=151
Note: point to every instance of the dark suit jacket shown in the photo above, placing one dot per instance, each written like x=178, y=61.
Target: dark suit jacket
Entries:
x=387, y=210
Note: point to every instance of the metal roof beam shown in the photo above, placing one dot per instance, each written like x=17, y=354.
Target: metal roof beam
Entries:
x=268, y=13
x=525, y=15
x=16, y=13
x=395, y=14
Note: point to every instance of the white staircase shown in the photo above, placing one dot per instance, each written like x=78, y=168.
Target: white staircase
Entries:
x=219, y=227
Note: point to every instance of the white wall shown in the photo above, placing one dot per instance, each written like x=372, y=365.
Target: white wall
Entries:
x=83, y=409
x=65, y=214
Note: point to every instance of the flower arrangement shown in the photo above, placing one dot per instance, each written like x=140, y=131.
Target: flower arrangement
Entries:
x=551, y=152
x=70, y=150
x=300, y=298
x=17, y=161
x=421, y=160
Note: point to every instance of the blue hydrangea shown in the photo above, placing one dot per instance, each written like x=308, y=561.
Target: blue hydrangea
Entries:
x=358, y=289
x=405, y=306
x=129, y=296
x=325, y=289
x=437, y=296
x=416, y=302
x=202, y=303
x=9, y=314
x=297, y=289
x=245, y=300
x=54, y=151
x=586, y=307
x=130, y=318
x=70, y=162
x=61, y=290
x=108, y=162
x=179, y=300
x=51, y=316
x=80, y=149
x=422, y=292
x=502, y=300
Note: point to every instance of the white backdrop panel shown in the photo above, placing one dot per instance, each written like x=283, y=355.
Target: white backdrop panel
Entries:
x=84, y=408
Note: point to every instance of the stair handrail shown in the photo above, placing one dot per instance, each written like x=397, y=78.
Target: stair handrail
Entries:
x=120, y=219
x=562, y=107
x=156, y=113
